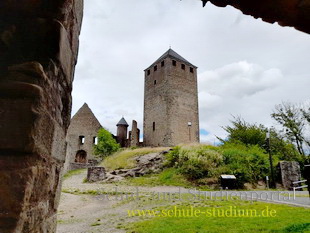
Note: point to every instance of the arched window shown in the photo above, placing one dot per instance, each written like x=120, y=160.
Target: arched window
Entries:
x=81, y=156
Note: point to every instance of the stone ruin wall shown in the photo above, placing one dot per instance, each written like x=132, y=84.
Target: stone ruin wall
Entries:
x=84, y=123
x=38, y=47
x=134, y=134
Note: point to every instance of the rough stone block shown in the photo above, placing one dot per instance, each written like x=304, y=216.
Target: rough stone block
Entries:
x=96, y=174
x=290, y=172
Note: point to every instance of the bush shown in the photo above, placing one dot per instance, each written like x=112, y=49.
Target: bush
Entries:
x=195, y=161
x=106, y=144
x=247, y=163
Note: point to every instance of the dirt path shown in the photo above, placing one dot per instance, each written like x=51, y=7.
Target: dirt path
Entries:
x=85, y=213
x=102, y=207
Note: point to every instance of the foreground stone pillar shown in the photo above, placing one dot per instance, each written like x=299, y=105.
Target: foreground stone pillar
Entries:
x=38, y=52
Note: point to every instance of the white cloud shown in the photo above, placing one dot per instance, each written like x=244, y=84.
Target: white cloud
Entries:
x=239, y=80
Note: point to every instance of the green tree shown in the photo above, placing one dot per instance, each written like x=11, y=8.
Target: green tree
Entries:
x=106, y=144
x=242, y=132
x=245, y=133
x=306, y=115
x=293, y=121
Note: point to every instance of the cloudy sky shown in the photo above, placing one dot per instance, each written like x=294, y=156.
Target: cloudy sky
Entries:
x=245, y=66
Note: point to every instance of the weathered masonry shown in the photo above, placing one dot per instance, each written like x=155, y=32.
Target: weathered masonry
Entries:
x=38, y=47
x=170, y=102
x=81, y=137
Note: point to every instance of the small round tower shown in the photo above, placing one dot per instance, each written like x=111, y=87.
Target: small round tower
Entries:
x=122, y=127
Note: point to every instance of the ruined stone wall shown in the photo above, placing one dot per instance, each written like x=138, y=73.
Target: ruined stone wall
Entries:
x=134, y=134
x=171, y=101
x=38, y=47
x=83, y=123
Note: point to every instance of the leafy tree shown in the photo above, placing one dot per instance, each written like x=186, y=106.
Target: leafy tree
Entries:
x=242, y=132
x=306, y=115
x=293, y=120
x=106, y=144
x=245, y=133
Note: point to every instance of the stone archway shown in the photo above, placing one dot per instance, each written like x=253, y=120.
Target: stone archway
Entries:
x=81, y=156
x=38, y=47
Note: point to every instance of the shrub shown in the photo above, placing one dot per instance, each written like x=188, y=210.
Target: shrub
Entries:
x=247, y=163
x=106, y=144
x=195, y=161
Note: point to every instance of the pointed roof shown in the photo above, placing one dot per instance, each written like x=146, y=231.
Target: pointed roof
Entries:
x=172, y=54
x=85, y=116
x=122, y=122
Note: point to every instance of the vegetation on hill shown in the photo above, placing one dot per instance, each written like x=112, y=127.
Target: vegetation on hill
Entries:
x=244, y=133
x=167, y=177
x=125, y=158
x=244, y=153
x=196, y=162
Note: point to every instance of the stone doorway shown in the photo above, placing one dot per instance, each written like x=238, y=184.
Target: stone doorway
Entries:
x=81, y=156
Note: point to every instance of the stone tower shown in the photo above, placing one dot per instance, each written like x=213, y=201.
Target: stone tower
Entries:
x=81, y=136
x=121, y=135
x=170, y=102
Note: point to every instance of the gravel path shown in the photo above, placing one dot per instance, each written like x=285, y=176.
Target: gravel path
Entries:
x=82, y=213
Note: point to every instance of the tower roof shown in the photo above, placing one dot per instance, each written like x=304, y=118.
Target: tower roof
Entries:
x=172, y=54
x=122, y=122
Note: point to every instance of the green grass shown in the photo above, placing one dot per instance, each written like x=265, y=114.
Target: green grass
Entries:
x=287, y=219
x=169, y=177
x=302, y=227
x=73, y=172
x=95, y=224
x=91, y=192
x=125, y=158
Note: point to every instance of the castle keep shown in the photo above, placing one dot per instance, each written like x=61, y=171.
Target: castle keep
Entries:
x=170, y=102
